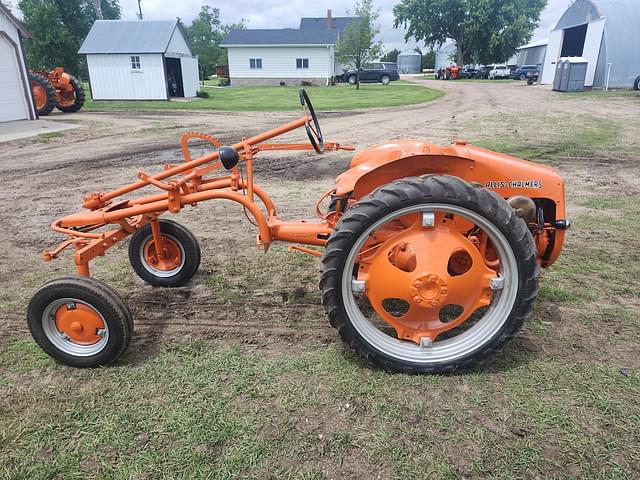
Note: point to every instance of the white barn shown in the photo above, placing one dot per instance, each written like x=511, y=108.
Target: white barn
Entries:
x=286, y=55
x=16, y=101
x=139, y=60
x=606, y=33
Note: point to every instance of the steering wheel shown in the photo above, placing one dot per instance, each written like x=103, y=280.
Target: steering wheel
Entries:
x=313, y=127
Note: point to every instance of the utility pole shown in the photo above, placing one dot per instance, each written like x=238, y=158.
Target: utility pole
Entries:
x=98, y=10
x=139, y=11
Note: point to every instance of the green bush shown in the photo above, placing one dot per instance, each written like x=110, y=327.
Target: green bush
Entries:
x=202, y=94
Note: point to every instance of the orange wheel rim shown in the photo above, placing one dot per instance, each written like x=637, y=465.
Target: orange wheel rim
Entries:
x=80, y=323
x=167, y=259
x=39, y=95
x=443, y=268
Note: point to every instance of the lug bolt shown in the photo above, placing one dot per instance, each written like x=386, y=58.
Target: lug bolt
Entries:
x=443, y=291
x=417, y=299
x=434, y=303
x=417, y=284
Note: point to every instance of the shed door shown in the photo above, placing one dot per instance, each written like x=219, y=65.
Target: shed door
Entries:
x=190, y=75
x=13, y=105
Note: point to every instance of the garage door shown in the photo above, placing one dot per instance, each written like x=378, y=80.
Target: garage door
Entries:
x=13, y=105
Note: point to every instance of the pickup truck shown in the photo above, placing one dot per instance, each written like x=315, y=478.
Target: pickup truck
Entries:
x=381, y=72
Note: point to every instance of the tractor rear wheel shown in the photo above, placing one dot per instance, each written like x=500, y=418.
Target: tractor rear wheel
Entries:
x=80, y=321
x=44, y=95
x=70, y=102
x=429, y=274
x=173, y=264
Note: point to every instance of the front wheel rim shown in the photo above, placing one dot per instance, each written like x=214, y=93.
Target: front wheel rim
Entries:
x=173, y=256
x=75, y=327
x=450, y=349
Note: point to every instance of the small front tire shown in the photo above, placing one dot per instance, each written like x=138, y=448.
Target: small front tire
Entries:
x=80, y=321
x=636, y=83
x=352, y=80
x=179, y=259
x=386, y=80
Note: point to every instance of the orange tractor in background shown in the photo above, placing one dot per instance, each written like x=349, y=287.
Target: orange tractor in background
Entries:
x=56, y=89
x=430, y=254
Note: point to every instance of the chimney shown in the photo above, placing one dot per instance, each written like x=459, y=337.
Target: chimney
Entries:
x=329, y=19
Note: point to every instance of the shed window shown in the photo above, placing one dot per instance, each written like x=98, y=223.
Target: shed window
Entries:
x=135, y=62
x=302, y=63
x=255, y=63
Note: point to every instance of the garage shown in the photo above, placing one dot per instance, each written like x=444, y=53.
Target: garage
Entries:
x=15, y=93
x=606, y=34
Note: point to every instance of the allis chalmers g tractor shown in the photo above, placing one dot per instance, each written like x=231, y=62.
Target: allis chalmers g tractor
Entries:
x=431, y=254
x=57, y=89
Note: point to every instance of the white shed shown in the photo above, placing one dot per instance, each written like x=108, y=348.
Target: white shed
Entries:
x=16, y=101
x=139, y=60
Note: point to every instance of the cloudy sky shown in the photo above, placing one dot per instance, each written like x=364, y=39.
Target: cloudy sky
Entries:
x=287, y=13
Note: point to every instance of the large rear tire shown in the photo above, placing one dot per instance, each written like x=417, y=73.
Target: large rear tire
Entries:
x=80, y=321
x=393, y=214
x=75, y=101
x=44, y=95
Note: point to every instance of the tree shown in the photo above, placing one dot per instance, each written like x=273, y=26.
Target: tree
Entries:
x=205, y=34
x=358, y=45
x=484, y=30
x=58, y=28
x=391, y=56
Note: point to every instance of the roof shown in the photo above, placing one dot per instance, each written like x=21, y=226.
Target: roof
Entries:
x=17, y=23
x=339, y=23
x=537, y=43
x=281, y=36
x=129, y=36
x=312, y=31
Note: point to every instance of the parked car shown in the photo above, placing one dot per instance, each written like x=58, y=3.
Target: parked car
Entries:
x=483, y=71
x=468, y=72
x=382, y=72
x=499, y=71
x=521, y=73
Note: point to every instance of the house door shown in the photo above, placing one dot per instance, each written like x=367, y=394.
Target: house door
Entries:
x=174, y=77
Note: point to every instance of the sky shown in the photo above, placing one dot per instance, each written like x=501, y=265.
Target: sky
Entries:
x=287, y=14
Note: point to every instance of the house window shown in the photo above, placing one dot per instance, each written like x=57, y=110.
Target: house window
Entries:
x=135, y=62
x=302, y=63
x=255, y=63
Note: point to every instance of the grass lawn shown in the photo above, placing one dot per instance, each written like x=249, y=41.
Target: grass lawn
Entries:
x=275, y=99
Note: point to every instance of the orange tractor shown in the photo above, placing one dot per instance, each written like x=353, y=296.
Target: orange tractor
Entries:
x=431, y=254
x=56, y=89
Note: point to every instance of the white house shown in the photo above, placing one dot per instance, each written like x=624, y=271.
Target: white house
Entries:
x=606, y=33
x=288, y=55
x=16, y=101
x=139, y=60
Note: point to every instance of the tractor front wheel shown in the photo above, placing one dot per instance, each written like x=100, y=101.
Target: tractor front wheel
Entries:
x=429, y=274
x=80, y=321
x=73, y=100
x=171, y=265
x=44, y=95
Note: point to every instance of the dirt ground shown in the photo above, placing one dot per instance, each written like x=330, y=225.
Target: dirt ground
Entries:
x=560, y=400
x=46, y=178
